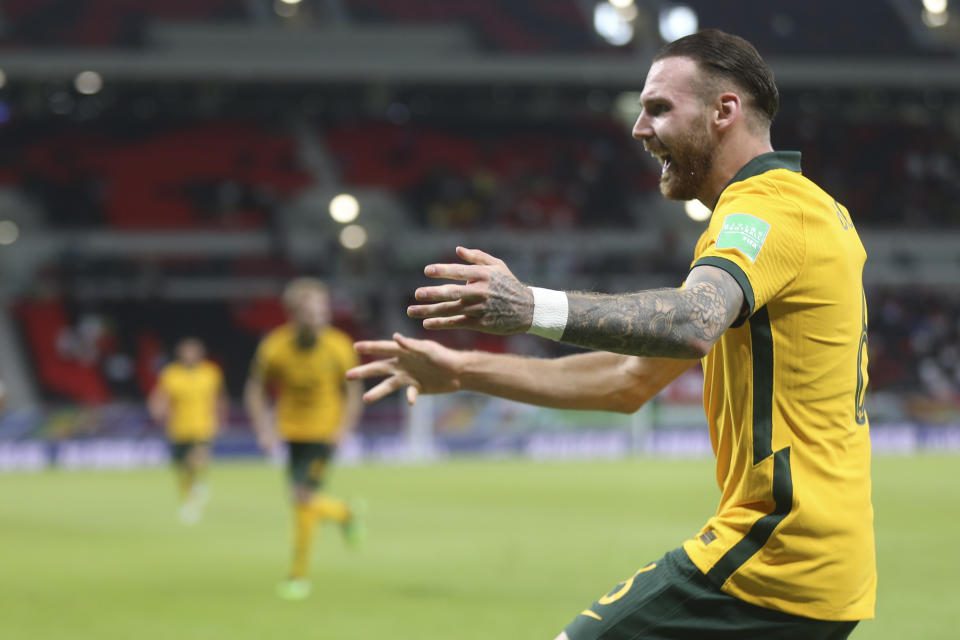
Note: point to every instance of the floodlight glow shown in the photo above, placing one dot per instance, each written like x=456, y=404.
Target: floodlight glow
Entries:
x=629, y=12
x=353, y=237
x=611, y=26
x=285, y=9
x=696, y=210
x=677, y=22
x=9, y=232
x=344, y=208
x=621, y=4
x=935, y=6
x=935, y=20
x=88, y=82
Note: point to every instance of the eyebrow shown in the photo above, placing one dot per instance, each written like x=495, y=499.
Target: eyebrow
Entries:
x=651, y=100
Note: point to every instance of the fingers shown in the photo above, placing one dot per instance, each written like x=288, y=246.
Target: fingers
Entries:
x=452, y=322
x=384, y=389
x=475, y=256
x=412, y=394
x=413, y=344
x=445, y=292
x=372, y=370
x=466, y=272
x=440, y=310
x=377, y=347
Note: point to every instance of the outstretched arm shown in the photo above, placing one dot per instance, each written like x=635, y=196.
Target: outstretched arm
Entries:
x=600, y=381
x=667, y=323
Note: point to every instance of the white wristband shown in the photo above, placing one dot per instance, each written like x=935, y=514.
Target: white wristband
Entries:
x=549, y=313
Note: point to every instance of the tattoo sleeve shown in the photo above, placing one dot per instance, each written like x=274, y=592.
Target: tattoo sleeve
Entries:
x=671, y=323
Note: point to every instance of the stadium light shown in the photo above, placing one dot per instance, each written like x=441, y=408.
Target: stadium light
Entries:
x=353, y=237
x=621, y=4
x=611, y=26
x=9, y=232
x=696, y=210
x=935, y=6
x=677, y=22
x=88, y=82
x=344, y=208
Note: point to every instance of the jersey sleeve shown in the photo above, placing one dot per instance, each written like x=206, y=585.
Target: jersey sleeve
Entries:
x=758, y=239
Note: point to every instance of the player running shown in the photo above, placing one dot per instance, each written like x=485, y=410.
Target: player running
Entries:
x=189, y=398
x=305, y=362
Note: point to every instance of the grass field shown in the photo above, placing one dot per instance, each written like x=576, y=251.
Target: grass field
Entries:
x=506, y=550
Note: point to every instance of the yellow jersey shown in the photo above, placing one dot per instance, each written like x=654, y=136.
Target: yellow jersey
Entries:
x=192, y=393
x=309, y=381
x=783, y=395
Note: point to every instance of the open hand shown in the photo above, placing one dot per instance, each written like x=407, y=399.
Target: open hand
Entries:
x=491, y=301
x=422, y=366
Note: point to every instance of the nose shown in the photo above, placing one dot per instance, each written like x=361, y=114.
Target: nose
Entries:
x=641, y=128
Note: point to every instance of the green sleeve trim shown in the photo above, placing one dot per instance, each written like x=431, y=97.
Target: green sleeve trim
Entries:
x=734, y=270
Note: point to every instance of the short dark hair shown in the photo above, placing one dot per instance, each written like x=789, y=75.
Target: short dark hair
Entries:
x=726, y=56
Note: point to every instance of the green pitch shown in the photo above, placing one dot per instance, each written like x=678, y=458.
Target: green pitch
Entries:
x=458, y=550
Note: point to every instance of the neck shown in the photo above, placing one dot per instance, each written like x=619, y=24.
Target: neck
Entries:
x=729, y=160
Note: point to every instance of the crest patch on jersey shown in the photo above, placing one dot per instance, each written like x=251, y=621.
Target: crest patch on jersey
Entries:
x=743, y=232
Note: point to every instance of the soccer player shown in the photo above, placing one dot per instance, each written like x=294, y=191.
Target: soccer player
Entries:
x=772, y=306
x=305, y=361
x=189, y=397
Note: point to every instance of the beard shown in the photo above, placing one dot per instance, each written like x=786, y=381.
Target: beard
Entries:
x=691, y=159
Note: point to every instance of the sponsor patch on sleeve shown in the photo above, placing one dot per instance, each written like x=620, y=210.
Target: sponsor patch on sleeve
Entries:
x=743, y=232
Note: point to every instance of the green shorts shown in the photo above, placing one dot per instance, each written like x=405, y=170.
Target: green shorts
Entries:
x=307, y=462
x=181, y=450
x=671, y=599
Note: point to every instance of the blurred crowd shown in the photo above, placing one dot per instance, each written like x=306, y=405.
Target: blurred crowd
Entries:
x=915, y=343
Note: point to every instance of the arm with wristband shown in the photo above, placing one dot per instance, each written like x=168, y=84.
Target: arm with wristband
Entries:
x=662, y=323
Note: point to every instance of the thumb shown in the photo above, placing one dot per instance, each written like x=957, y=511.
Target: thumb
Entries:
x=475, y=256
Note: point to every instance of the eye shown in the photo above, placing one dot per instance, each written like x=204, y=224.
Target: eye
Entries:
x=655, y=109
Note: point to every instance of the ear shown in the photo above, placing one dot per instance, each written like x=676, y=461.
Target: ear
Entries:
x=727, y=110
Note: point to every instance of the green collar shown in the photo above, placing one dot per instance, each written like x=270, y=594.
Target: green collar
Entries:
x=789, y=160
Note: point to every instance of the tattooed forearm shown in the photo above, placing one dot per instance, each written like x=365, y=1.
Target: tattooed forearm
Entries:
x=673, y=323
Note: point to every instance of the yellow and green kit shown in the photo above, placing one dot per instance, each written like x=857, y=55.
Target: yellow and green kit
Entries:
x=783, y=395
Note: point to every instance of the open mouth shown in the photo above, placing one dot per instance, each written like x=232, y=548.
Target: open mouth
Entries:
x=665, y=162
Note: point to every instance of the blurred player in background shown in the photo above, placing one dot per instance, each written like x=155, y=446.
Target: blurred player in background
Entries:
x=773, y=306
x=189, y=398
x=305, y=362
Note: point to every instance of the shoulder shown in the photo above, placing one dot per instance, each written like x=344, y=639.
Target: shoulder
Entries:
x=275, y=338
x=776, y=188
x=337, y=335
x=341, y=344
x=212, y=369
x=168, y=371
